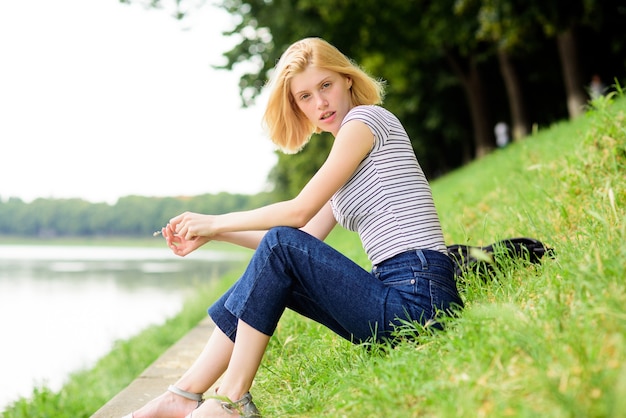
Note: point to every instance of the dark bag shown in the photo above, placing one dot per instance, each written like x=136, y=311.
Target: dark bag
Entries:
x=484, y=259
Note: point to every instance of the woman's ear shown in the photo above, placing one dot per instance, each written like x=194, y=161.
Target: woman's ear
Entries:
x=349, y=82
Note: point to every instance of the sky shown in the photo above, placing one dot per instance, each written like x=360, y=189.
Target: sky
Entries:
x=100, y=100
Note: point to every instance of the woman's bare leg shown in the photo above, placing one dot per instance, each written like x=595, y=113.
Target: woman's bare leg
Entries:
x=204, y=372
x=209, y=365
x=247, y=354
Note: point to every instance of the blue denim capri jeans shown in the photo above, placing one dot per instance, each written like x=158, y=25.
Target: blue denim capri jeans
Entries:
x=292, y=269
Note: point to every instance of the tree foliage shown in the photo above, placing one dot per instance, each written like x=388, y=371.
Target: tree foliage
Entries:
x=129, y=216
x=453, y=67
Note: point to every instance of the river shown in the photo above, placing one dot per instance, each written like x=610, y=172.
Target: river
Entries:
x=63, y=307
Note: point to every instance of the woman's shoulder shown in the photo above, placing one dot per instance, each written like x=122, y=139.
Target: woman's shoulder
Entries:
x=378, y=119
x=370, y=114
x=374, y=110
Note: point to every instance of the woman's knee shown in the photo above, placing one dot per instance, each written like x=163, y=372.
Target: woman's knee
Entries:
x=280, y=234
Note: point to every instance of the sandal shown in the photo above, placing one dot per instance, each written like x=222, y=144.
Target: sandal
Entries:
x=198, y=397
x=244, y=406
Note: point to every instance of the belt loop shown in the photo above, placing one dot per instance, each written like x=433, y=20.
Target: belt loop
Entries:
x=422, y=257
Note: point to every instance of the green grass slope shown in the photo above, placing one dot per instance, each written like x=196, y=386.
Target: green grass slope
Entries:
x=547, y=340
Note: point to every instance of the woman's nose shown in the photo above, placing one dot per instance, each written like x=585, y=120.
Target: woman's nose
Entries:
x=321, y=102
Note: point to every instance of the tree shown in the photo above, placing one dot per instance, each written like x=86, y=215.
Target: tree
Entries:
x=431, y=53
x=384, y=45
x=508, y=26
x=130, y=216
x=561, y=20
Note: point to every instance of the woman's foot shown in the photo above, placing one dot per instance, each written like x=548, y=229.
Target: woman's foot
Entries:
x=217, y=406
x=170, y=405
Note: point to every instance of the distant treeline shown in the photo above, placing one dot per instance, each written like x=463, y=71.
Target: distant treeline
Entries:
x=129, y=216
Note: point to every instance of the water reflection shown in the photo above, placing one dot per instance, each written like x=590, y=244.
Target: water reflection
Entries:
x=63, y=307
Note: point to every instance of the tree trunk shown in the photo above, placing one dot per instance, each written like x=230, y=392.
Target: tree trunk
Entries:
x=477, y=102
x=517, y=105
x=570, y=66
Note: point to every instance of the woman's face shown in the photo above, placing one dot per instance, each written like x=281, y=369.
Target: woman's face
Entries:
x=323, y=96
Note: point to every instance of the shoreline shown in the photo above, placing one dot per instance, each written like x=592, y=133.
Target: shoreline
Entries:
x=155, y=379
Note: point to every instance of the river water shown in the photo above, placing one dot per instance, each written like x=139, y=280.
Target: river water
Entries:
x=63, y=307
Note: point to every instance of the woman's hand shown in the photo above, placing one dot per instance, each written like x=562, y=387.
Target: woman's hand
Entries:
x=187, y=232
x=179, y=245
x=189, y=225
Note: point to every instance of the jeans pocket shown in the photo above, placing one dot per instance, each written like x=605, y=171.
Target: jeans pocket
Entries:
x=397, y=277
x=444, y=296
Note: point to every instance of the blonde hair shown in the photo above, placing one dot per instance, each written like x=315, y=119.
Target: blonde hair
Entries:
x=288, y=127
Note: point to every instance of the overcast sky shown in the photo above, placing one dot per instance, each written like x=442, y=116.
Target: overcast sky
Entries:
x=100, y=100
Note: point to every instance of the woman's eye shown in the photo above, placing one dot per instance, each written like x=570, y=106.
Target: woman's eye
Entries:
x=326, y=85
x=304, y=96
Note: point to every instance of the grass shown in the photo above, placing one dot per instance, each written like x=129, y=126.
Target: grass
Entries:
x=546, y=340
x=536, y=340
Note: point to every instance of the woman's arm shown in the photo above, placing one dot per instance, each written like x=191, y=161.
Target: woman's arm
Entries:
x=319, y=226
x=247, y=239
x=351, y=145
x=322, y=223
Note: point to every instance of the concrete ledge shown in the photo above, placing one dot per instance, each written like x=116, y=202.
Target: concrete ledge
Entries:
x=160, y=374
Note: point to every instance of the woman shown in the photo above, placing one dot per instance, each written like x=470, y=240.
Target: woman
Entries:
x=371, y=183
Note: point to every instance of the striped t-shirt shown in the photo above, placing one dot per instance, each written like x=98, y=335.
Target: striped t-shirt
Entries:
x=388, y=200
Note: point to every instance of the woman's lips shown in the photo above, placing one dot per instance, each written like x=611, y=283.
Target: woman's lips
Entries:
x=327, y=116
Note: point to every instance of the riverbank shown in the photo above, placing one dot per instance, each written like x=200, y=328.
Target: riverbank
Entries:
x=159, y=375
